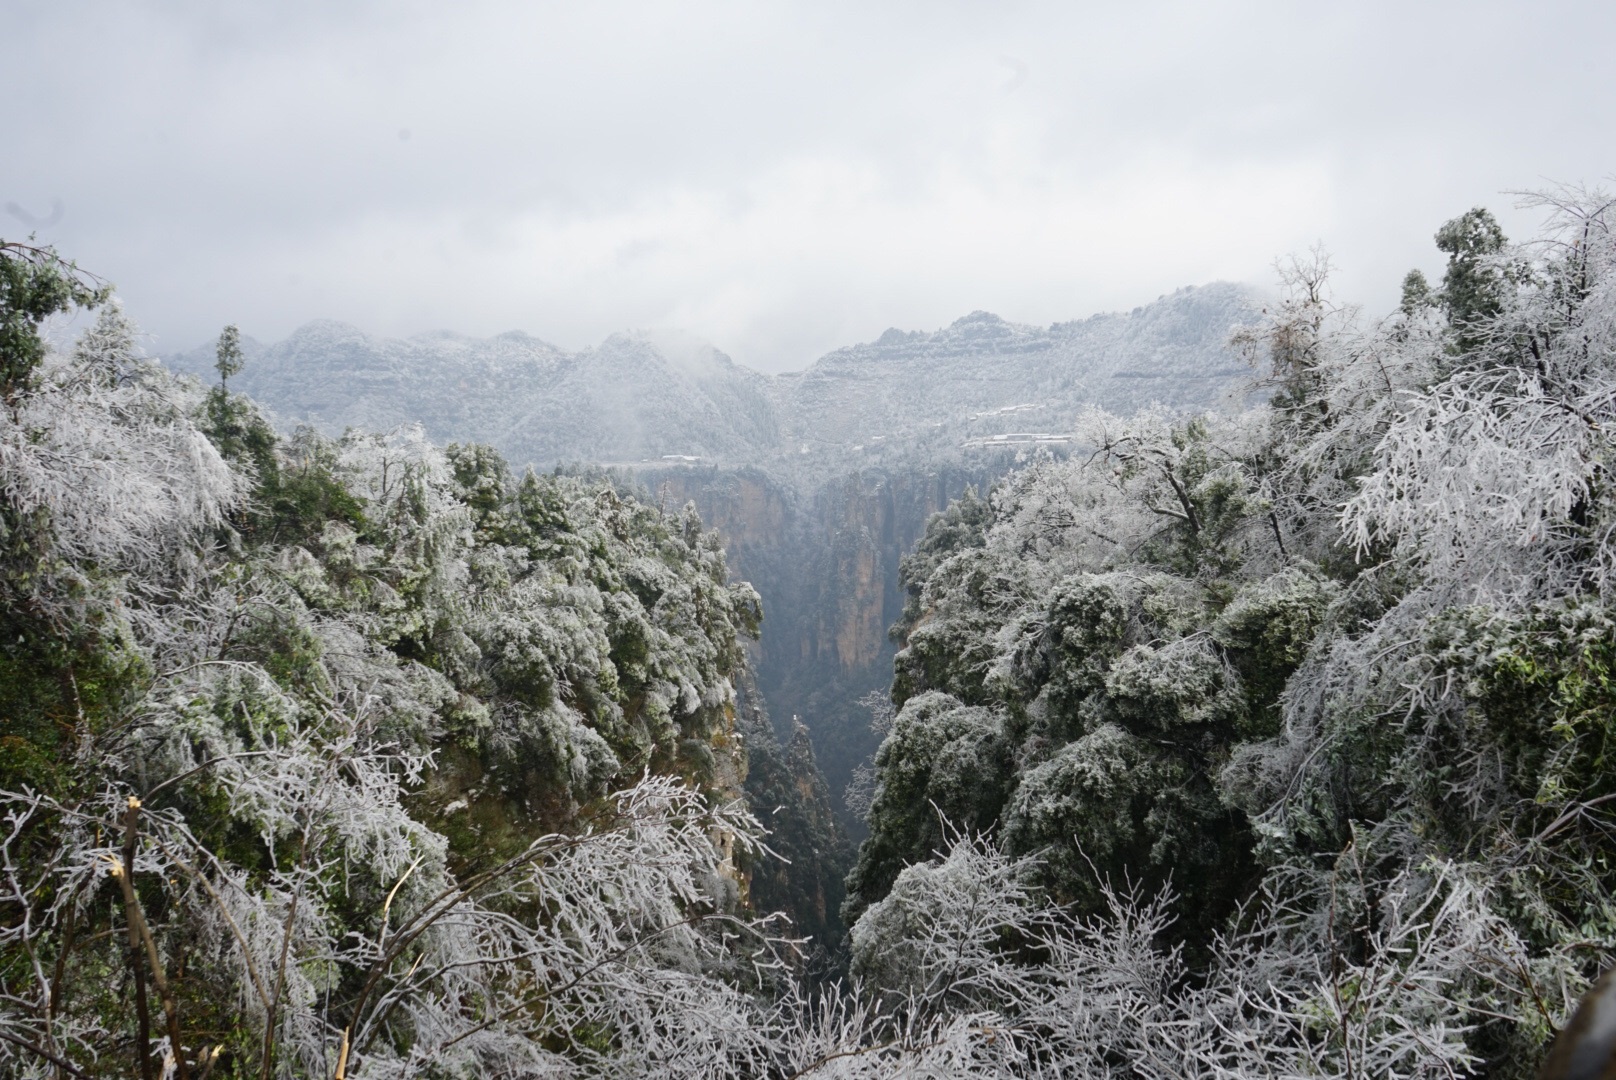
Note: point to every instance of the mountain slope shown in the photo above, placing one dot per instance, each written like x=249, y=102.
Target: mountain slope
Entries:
x=643, y=396
x=633, y=397
x=903, y=384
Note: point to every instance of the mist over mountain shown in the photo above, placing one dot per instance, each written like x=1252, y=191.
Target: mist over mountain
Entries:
x=641, y=397
x=1018, y=378
x=633, y=396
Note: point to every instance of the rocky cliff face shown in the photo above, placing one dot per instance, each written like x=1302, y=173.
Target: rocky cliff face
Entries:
x=646, y=397
x=826, y=564
x=789, y=795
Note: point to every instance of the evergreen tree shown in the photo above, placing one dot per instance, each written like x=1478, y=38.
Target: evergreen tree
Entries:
x=1474, y=285
x=35, y=283
x=1416, y=293
x=229, y=359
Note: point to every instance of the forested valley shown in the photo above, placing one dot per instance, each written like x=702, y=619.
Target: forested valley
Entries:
x=1266, y=740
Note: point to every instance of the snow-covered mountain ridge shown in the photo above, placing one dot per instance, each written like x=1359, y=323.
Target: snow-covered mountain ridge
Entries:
x=643, y=396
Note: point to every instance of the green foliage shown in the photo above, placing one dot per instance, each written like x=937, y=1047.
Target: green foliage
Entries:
x=1091, y=812
x=35, y=283
x=58, y=689
x=1416, y=293
x=583, y=635
x=789, y=795
x=300, y=490
x=962, y=524
x=952, y=648
x=243, y=437
x=1084, y=721
x=1208, y=499
x=944, y=762
x=229, y=360
x=1265, y=633
x=356, y=609
x=1539, y=692
x=1474, y=286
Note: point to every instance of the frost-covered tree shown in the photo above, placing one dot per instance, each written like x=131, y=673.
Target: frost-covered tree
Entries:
x=1065, y=683
x=1262, y=744
x=352, y=758
x=1333, y=668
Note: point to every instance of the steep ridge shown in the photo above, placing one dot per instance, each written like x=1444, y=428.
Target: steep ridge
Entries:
x=825, y=561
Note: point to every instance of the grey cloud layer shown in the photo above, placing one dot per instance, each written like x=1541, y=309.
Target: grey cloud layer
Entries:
x=776, y=178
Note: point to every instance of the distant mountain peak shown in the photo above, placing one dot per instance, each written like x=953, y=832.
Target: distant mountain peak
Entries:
x=641, y=395
x=325, y=329
x=687, y=352
x=521, y=337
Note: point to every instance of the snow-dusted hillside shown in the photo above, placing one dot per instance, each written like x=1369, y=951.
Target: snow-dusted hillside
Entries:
x=633, y=397
x=639, y=397
x=903, y=384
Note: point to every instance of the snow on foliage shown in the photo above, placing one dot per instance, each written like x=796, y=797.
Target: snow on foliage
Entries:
x=1258, y=744
x=100, y=451
x=1331, y=671
x=353, y=757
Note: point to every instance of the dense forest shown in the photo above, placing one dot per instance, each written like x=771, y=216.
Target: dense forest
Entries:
x=1269, y=742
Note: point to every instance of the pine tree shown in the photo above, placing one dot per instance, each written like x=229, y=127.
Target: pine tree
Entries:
x=229, y=358
x=1474, y=284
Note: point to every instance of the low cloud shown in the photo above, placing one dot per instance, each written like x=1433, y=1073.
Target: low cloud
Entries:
x=777, y=179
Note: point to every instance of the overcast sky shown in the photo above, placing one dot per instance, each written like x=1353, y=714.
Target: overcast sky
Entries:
x=779, y=179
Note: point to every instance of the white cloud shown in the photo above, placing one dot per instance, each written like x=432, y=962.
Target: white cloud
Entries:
x=778, y=178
